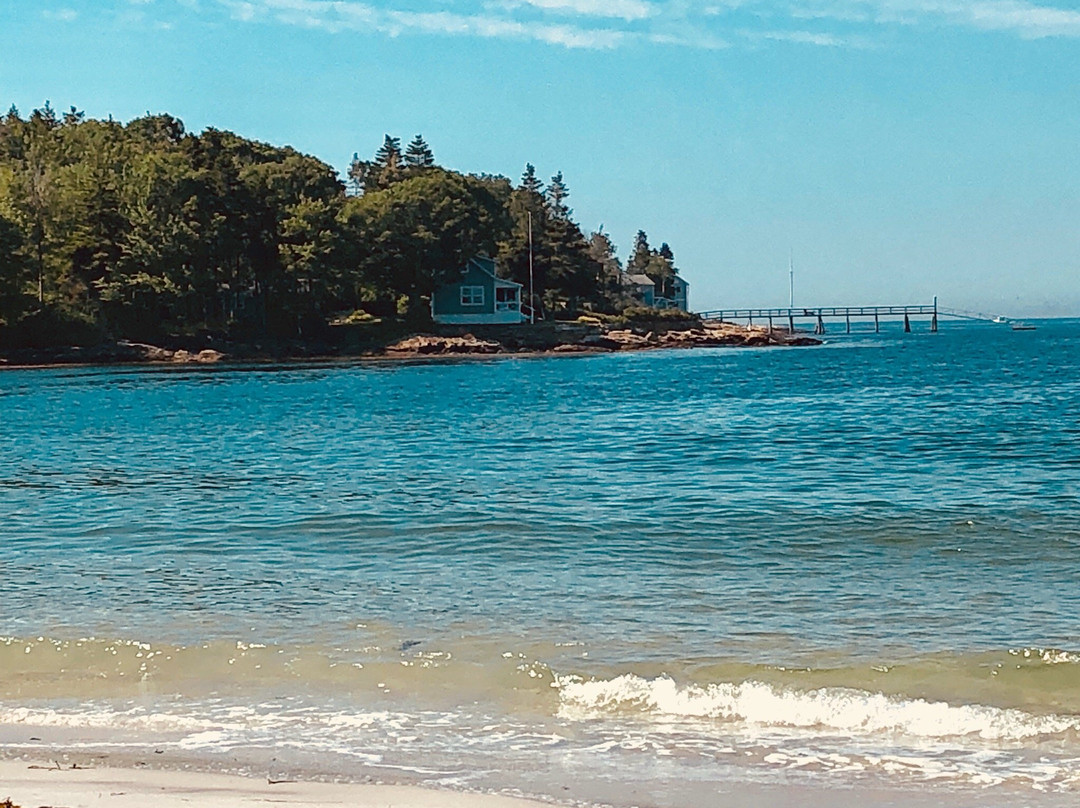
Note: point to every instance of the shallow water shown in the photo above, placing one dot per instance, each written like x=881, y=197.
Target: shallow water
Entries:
x=848, y=564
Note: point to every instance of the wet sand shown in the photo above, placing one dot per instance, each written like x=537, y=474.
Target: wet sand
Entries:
x=31, y=785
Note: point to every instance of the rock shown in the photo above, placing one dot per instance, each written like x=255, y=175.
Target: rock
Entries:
x=600, y=341
x=142, y=351
x=627, y=339
x=432, y=345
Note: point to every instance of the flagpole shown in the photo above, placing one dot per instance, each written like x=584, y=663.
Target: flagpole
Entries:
x=532, y=295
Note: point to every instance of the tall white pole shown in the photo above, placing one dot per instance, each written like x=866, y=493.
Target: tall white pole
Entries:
x=791, y=280
x=532, y=296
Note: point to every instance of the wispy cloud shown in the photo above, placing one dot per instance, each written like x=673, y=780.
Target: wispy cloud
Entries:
x=621, y=9
x=699, y=24
x=1020, y=17
x=341, y=15
x=61, y=14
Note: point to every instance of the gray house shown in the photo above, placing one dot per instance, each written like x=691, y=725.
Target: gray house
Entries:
x=680, y=294
x=641, y=287
x=479, y=298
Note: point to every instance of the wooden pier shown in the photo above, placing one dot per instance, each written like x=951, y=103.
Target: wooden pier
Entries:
x=819, y=314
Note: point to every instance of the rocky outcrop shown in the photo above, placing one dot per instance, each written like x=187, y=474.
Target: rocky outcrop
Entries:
x=584, y=340
x=708, y=335
x=203, y=357
x=426, y=345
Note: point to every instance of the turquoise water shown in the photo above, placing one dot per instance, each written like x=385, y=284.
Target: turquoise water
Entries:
x=856, y=562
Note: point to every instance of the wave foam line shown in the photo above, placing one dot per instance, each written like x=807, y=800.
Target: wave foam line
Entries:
x=838, y=709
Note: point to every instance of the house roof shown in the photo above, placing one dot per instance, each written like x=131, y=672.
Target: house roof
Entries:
x=640, y=280
x=487, y=266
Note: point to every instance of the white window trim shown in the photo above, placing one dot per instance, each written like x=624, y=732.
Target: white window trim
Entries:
x=475, y=295
x=511, y=303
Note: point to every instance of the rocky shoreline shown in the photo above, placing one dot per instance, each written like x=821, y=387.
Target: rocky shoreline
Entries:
x=490, y=341
x=603, y=341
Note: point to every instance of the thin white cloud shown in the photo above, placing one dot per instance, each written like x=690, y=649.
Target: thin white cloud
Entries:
x=344, y=15
x=804, y=38
x=620, y=9
x=61, y=14
x=692, y=24
x=1026, y=19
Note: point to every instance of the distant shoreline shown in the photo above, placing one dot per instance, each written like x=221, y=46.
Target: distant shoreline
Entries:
x=421, y=346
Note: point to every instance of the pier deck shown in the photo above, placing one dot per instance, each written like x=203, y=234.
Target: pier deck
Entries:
x=789, y=315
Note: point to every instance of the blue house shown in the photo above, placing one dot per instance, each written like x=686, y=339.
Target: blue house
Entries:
x=478, y=298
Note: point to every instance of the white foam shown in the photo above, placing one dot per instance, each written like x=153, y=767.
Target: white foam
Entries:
x=830, y=709
x=105, y=719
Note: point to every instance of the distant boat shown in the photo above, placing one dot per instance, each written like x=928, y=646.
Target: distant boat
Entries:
x=1000, y=319
x=1022, y=327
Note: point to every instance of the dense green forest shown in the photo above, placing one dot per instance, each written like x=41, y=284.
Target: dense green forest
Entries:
x=145, y=230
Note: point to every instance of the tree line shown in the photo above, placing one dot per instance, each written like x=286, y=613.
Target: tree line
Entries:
x=144, y=229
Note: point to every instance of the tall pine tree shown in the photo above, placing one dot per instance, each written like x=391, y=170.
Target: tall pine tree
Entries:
x=387, y=168
x=530, y=183
x=557, y=192
x=418, y=156
x=639, y=257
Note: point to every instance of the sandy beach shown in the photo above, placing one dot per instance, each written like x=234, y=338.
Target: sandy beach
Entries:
x=34, y=784
x=42, y=784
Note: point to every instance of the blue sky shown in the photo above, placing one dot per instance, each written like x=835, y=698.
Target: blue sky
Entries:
x=900, y=148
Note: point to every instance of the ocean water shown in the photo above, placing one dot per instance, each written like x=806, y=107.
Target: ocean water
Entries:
x=637, y=579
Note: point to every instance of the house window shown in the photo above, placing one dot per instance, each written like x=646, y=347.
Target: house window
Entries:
x=506, y=299
x=472, y=295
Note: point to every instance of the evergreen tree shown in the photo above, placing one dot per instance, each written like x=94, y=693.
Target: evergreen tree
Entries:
x=557, y=192
x=46, y=116
x=14, y=274
x=529, y=181
x=573, y=276
x=418, y=156
x=640, y=256
x=387, y=166
x=73, y=117
x=529, y=224
x=602, y=251
x=667, y=269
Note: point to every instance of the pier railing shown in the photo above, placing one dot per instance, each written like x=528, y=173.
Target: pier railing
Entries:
x=820, y=313
x=789, y=315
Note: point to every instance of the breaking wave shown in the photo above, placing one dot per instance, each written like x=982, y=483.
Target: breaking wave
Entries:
x=828, y=709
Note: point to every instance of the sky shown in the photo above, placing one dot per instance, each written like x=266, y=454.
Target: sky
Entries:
x=894, y=149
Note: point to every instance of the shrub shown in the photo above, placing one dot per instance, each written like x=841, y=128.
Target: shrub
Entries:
x=648, y=314
x=353, y=318
x=51, y=327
